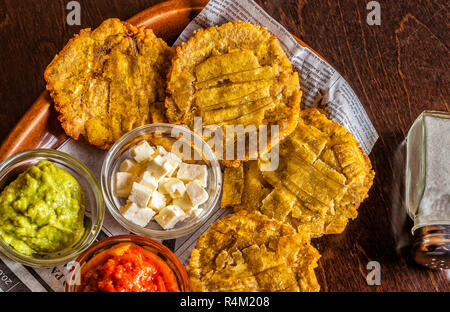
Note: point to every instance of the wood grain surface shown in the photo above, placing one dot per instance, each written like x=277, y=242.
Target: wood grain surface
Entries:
x=397, y=69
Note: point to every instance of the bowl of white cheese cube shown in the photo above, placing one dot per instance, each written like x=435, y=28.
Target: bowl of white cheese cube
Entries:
x=161, y=180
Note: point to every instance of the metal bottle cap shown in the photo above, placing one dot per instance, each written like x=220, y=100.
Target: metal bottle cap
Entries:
x=431, y=246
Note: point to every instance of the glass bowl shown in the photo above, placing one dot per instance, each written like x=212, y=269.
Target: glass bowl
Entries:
x=167, y=135
x=94, y=204
x=159, y=249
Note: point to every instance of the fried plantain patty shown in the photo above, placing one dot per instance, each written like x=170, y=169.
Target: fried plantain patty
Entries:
x=247, y=251
x=322, y=178
x=234, y=74
x=107, y=81
x=233, y=186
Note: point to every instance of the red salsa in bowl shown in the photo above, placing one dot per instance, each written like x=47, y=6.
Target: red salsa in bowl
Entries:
x=126, y=264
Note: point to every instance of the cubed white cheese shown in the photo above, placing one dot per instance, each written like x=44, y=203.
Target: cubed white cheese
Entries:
x=161, y=188
x=159, y=160
x=184, y=203
x=128, y=165
x=174, y=158
x=136, y=214
x=142, y=151
x=140, y=194
x=196, y=193
x=186, y=172
x=123, y=184
x=174, y=187
x=169, y=216
x=129, y=209
x=172, y=162
x=192, y=172
x=148, y=181
x=161, y=150
x=202, y=177
x=157, y=201
x=156, y=168
x=170, y=167
x=144, y=215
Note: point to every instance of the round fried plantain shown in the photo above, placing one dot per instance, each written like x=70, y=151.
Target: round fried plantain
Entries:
x=247, y=251
x=108, y=81
x=234, y=74
x=322, y=178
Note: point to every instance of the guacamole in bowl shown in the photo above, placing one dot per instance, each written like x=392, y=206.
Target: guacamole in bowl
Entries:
x=42, y=210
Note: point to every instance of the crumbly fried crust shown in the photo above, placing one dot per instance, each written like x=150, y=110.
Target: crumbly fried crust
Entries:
x=322, y=178
x=108, y=81
x=234, y=74
x=233, y=186
x=247, y=251
x=255, y=187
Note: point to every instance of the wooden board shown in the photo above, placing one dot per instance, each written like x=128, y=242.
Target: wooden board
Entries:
x=368, y=238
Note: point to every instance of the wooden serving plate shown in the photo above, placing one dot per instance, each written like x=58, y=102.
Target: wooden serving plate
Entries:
x=39, y=126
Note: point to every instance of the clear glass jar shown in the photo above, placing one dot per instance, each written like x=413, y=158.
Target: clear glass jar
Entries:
x=428, y=170
x=157, y=248
x=162, y=134
x=428, y=187
x=94, y=204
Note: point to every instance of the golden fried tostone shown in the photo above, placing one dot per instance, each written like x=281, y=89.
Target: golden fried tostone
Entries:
x=247, y=251
x=233, y=186
x=322, y=178
x=107, y=81
x=234, y=74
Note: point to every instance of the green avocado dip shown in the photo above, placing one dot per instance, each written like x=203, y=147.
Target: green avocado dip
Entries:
x=42, y=210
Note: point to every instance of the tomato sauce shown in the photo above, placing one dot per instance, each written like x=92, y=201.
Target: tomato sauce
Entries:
x=127, y=268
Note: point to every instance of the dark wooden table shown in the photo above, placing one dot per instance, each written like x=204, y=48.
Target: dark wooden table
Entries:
x=398, y=69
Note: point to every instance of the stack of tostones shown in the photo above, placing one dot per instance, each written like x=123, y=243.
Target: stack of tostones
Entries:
x=108, y=81
x=234, y=74
x=322, y=178
x=247, y=251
